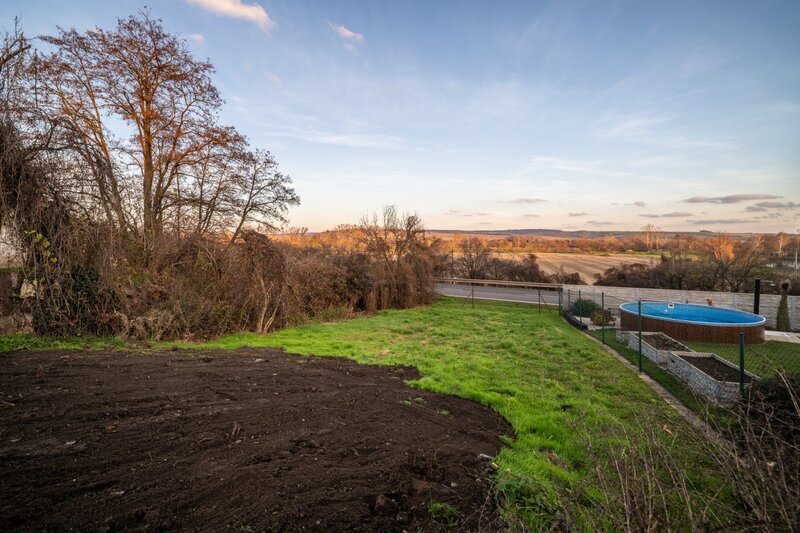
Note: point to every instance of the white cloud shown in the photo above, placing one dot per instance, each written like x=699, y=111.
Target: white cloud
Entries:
x=198, y=38
x=238, y=10
x=346, y=34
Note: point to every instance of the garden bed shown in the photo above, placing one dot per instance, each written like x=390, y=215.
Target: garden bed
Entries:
x=709, y=375
x=662, y=342
x=655, y=346
x=249, y=440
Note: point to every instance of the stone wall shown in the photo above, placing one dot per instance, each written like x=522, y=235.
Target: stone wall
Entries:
x=659, y=357
x=736, y=300
x=719, y=392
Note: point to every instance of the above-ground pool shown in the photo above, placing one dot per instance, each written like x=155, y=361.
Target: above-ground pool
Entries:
x=689, y=322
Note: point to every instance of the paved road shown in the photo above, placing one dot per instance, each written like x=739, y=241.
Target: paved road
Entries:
x=505, y=294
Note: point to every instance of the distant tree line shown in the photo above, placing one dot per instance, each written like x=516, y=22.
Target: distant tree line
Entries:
x=721, y=264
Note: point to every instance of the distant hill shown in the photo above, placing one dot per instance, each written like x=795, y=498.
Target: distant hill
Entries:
x=577, y=234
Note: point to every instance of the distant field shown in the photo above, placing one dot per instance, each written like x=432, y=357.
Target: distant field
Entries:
x=587, y=265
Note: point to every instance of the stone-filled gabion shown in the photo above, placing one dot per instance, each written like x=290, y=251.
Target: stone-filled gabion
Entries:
x=720, y=392
x=660, y=357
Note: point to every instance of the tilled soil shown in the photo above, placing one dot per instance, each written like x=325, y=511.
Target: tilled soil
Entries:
x=249, y=440
x=716, y=369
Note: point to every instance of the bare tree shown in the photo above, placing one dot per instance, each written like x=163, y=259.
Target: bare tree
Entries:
x=261, y=194
x=475, y=258
x=652, y=236
x=398, y=247
x=146, y=77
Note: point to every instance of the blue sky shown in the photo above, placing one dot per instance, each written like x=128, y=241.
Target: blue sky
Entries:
x=493, y=115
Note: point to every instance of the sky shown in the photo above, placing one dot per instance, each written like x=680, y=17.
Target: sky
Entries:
x=494, y=115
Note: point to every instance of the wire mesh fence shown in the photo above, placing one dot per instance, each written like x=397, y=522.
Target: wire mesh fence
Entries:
x=715, y=351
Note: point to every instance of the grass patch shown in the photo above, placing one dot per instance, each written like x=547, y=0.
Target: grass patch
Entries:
x=443, y=513
x=546, y=378
x=660, y=375
x=697, y=404
x=14, y=342
x=763, y=360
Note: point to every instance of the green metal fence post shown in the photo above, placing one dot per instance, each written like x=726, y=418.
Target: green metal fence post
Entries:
x=569, y=301
x=603, y=316
x=640, y=335
x=741, y=363
x=579, y=305
x=560, y=296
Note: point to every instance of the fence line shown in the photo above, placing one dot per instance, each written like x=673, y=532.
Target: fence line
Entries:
x=499, y=283
x=720, y=368
x=743, y=301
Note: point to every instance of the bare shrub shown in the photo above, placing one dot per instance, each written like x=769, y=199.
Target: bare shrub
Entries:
x=402, y=261
x=681, y=478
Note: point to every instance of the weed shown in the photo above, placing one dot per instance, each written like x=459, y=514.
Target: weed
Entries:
x=444, y=513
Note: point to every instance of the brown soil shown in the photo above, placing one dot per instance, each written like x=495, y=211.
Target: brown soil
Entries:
x=659, y=341
x=249, y=440
x=716, y=369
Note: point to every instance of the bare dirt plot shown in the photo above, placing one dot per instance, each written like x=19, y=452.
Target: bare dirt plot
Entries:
x=249, y=440
x=587, y=265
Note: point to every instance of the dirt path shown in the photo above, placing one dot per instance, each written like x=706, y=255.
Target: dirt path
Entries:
x=249, y=440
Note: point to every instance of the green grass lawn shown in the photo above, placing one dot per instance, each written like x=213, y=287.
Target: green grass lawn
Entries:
x=664, y=378
x=553, y=384
x=763, y=360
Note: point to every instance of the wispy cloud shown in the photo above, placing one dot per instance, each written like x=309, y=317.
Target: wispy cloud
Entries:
x=769, y=216
x=713, y=221
x=623, y=126
x=674, y=214
x=456, y=212
x=569, y=165
x=238, y=10
x=198, y=38
x=732, y=199
x=765, y=206
x=349, y=139
x=655, y=128
x=531, y=215
x=525, y=201
x=346, y=34
x=581, y=214
x=599, y=222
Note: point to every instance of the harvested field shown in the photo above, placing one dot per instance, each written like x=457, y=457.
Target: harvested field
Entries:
x=245, y=440
x=587, y=265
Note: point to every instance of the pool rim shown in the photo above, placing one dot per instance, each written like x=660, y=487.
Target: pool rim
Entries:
x=762, y=322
